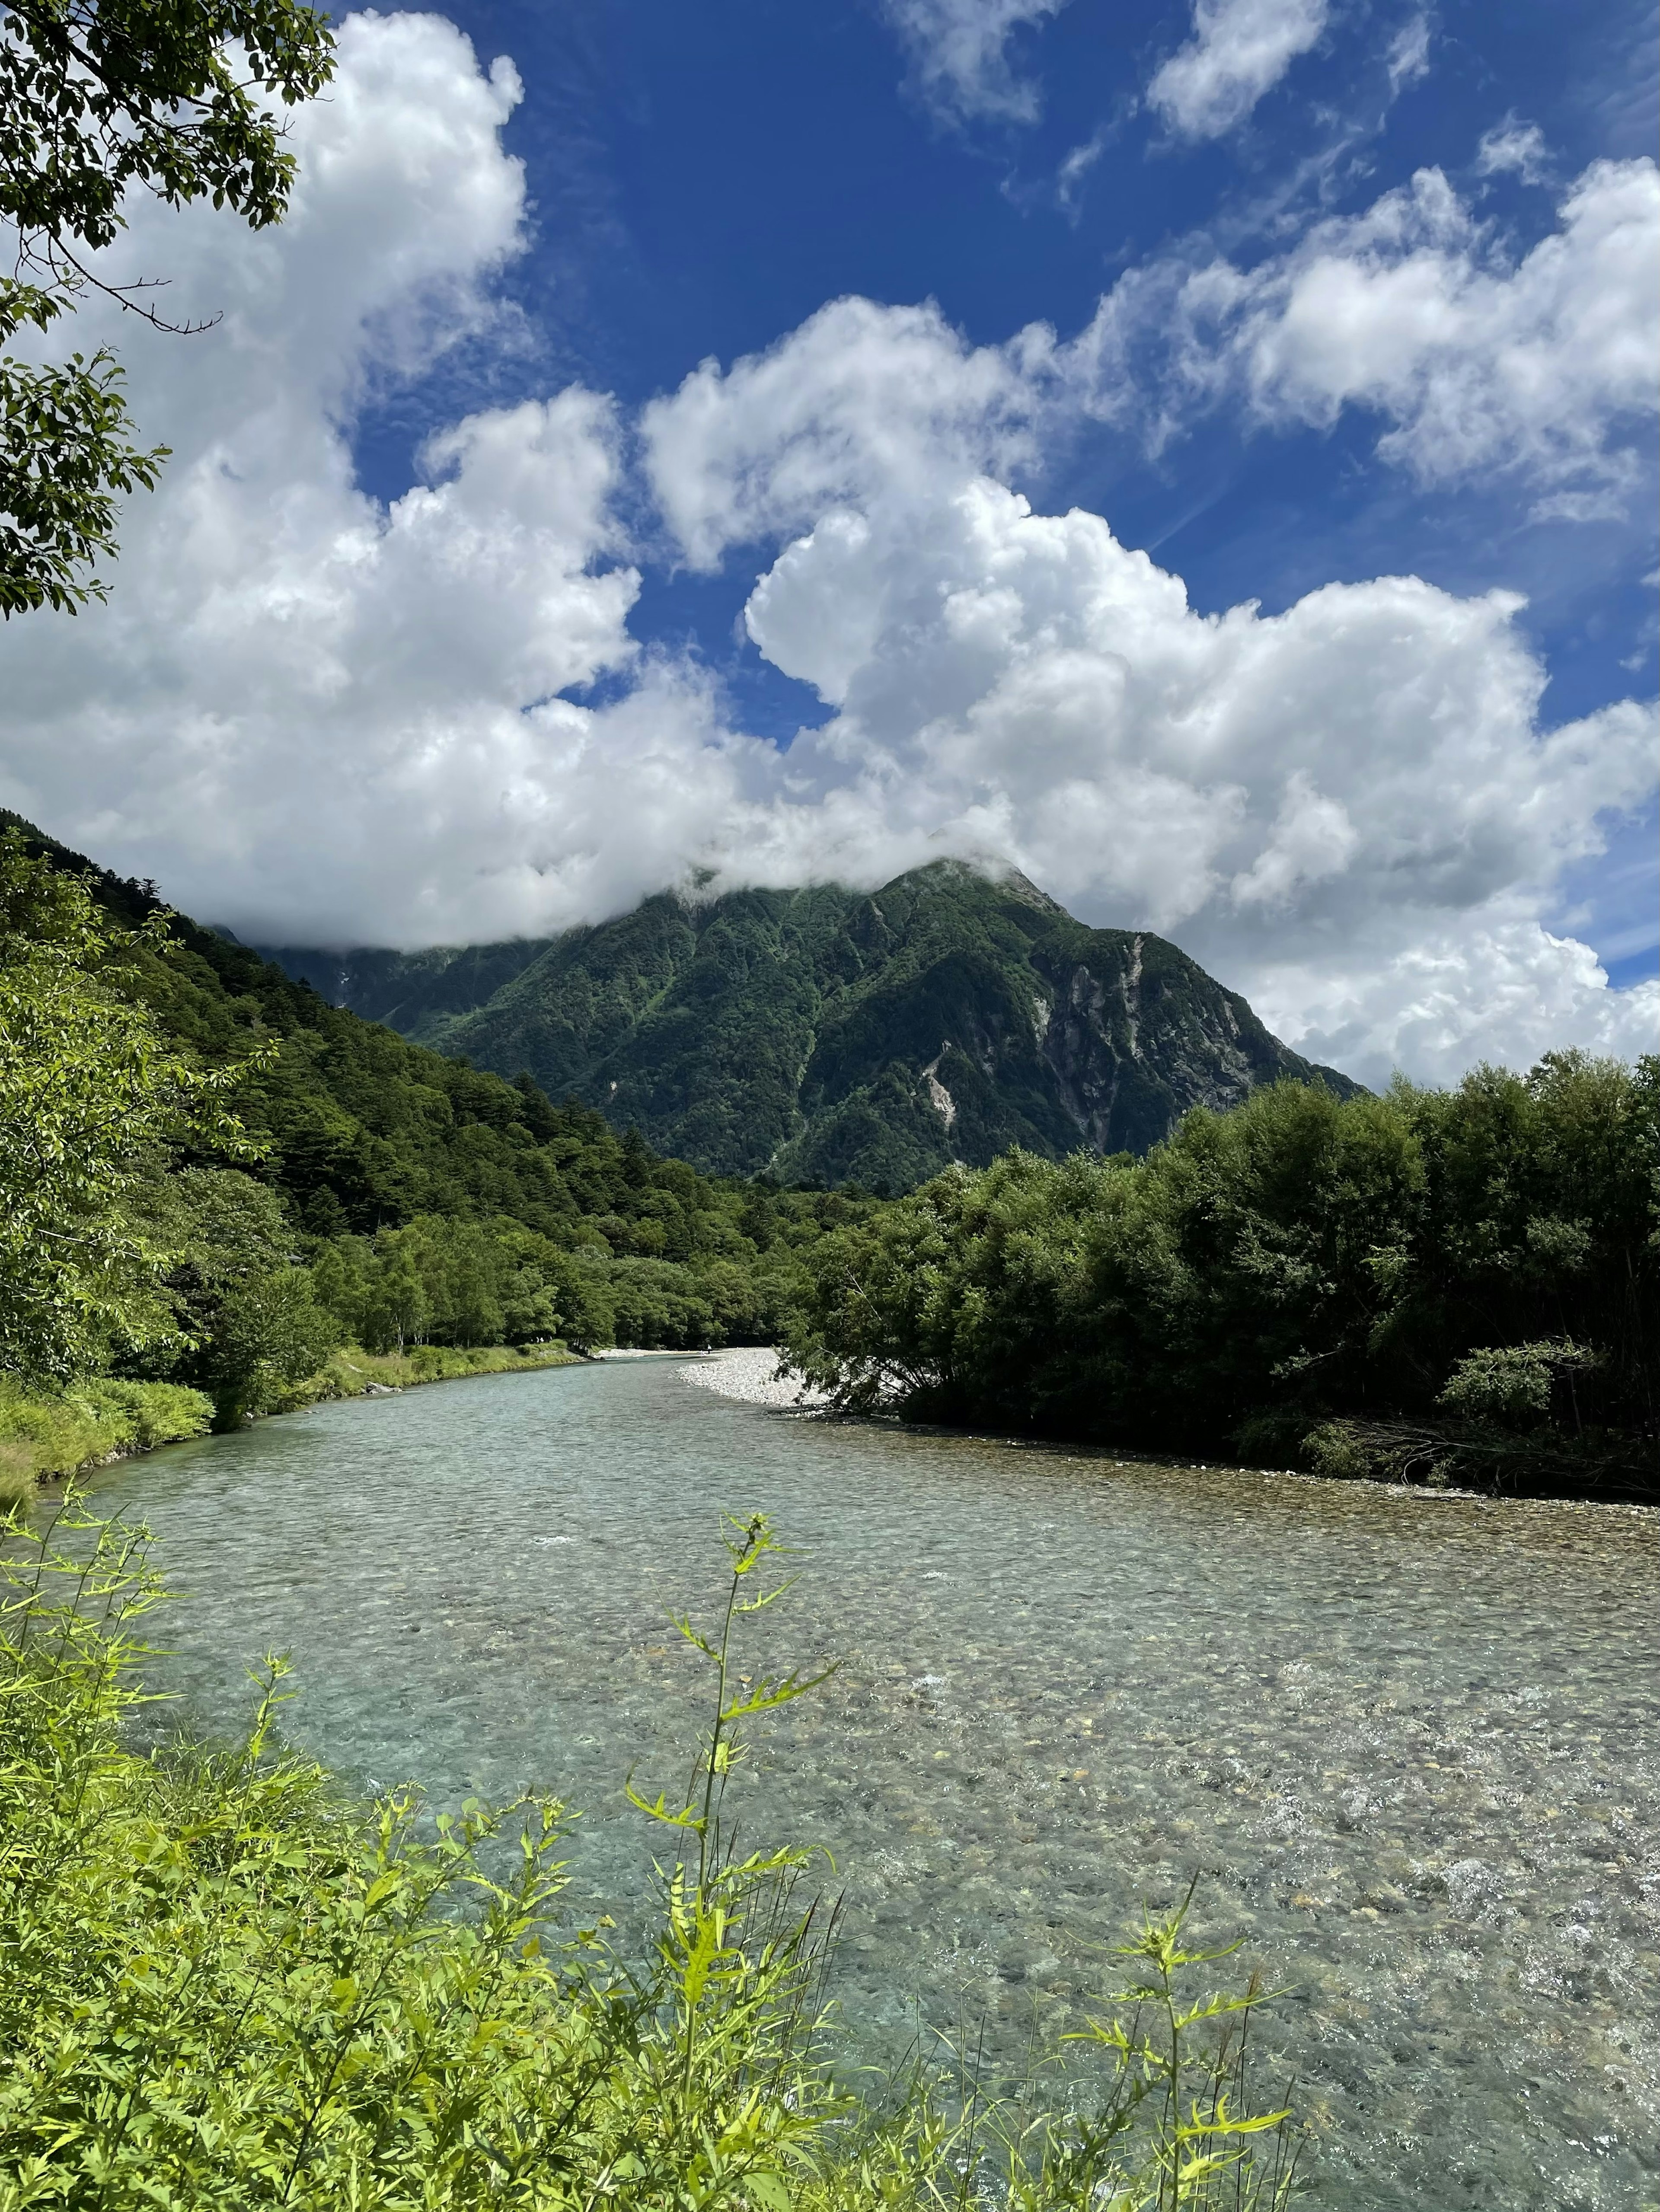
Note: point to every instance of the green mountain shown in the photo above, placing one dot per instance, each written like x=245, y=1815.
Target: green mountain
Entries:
x=827, y=1035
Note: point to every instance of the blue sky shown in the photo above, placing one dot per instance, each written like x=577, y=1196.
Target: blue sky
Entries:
x=473, y=603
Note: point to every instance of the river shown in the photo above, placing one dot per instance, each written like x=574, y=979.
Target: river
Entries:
x=1410, y=1743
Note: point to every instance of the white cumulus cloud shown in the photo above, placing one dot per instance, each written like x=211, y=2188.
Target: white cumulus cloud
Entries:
x=1351, y=810
x=1498, y=987
x=1326, y=791
x=310, y=714
x=1544, y=364
x=1239, y=50
x=859, y=396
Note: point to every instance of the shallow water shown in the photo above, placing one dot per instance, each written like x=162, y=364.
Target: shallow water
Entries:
x=1407, y=1743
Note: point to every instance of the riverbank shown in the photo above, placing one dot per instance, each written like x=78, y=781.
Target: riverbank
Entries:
x=73, y=1430
x=749, y=1372
x=43, y=1438
x=355, y=1373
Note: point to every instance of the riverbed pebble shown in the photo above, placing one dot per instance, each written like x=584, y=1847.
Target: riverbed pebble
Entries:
x=750, y=1372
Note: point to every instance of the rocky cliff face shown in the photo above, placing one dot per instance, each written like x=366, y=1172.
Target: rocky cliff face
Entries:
x=828, y=1035
x=1124, y=1035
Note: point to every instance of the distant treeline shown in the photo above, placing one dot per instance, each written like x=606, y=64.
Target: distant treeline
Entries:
x=249, y=1305
x=660, y=1267
x=1443, y=1284
x=598, y=1241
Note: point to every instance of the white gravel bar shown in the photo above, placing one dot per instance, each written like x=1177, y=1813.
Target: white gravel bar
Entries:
x=747, y=1373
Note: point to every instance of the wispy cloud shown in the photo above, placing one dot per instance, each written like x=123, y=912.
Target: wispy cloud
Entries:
x=1062, y=189
x=1408, y=56
x=1072, y=173
x=960, y=49
x=1541, y=367
x=1514, y=146
x=1239, y=50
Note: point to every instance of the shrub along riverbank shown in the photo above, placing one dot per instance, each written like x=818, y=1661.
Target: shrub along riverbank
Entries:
x=63, y=1432
x=1431, y=1286
x=351, y=1371
x=223, y=1985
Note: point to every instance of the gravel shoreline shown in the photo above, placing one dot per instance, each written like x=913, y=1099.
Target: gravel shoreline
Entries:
x=746, y=1372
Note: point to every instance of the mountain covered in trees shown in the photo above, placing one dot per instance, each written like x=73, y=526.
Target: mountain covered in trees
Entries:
x=830, y=1037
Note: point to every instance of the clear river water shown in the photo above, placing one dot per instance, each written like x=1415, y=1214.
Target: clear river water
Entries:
x=1407, y=1743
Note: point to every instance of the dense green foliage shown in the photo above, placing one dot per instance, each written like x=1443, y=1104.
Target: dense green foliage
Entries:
x=245, y=1321
x=222, y=1986
x=1432, y=1281
x=466, y=1282
x=100, y=98
x=66, y=458
x=91, y=1093
x=826, y=1036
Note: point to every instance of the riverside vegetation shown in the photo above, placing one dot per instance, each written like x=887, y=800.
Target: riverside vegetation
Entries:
x=1431, y=1285
x=223, y=1984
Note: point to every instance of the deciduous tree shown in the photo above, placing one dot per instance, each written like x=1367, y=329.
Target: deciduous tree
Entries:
x=91, y=1095
x=98, y=98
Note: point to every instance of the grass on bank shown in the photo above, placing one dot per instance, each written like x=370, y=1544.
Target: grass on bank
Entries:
x=350, y=1371
x=44, y=1435
x=222, y=1985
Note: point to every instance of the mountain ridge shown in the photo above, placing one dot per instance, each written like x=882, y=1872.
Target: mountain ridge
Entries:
x=826, y=1035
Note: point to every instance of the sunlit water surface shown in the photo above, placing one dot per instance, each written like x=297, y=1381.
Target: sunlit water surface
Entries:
x=1407, y=1743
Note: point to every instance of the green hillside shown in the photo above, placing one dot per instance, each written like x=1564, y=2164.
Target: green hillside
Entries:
x=372, y=1141
x=828, y=1035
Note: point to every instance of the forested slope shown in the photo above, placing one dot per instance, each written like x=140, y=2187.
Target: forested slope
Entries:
x=500, y=1212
